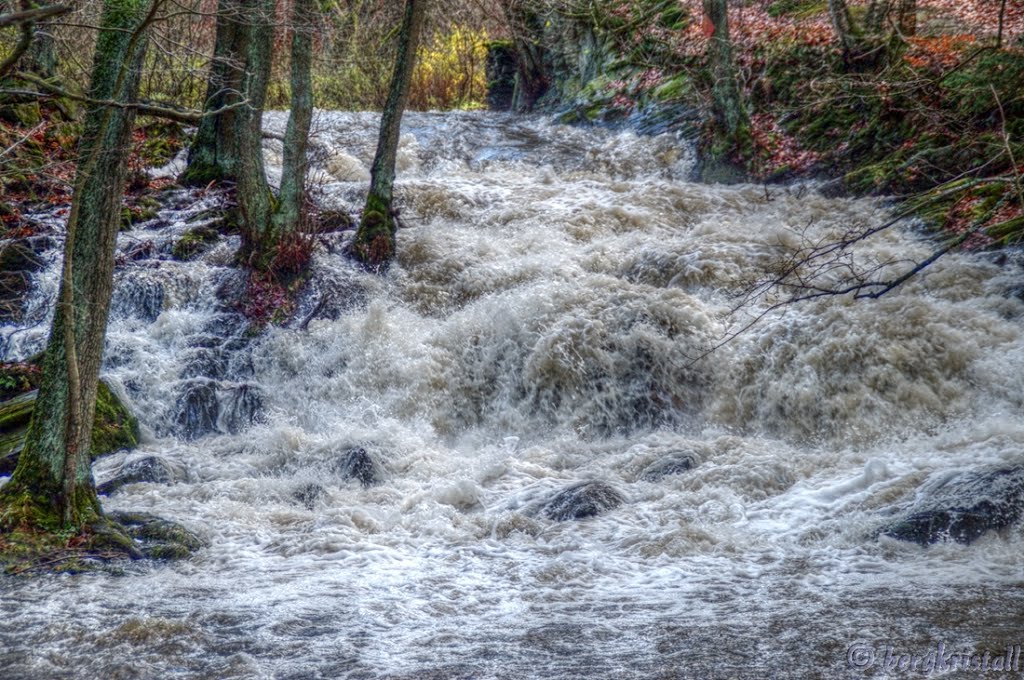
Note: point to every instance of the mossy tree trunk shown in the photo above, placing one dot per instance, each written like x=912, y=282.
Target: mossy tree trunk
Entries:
x=867, y=45
x=731, y=118
x=213, y=155
x=52, y=486
x=255, y=202
x=375, y=240
x=291, y=208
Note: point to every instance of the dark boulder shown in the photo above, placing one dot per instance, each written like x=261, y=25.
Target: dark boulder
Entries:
x=962, y=506
x=309, y=494
x=579, y=501
x=242, y=407
x=153, y=469
x=673, y=464
x=197, y=409
x=137, y=296
x=358, y=464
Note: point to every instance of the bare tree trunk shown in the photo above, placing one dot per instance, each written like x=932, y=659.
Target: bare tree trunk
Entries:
x=375, y=240
x=252, y=192
x=727, y=102
x=292, y=204
x=907, y=22
x=52, y=486
x=213, y=155
x=866, y=46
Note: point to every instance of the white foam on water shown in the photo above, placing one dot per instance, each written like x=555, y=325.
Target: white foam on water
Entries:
x=547, y=323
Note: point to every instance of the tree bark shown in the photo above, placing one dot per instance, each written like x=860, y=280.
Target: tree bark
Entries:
x=52, y=486
x=727, y=103
x=213, y=154
x=375, y=240
x=291, y=208
x=252, y=192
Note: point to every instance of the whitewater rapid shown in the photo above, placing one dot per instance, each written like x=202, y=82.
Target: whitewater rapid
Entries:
x=548, y=322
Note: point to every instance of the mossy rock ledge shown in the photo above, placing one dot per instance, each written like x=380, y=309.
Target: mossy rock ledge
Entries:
x=114, y=429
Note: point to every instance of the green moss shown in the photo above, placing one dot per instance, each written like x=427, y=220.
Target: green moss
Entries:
x=114, y=428
x=194, y=241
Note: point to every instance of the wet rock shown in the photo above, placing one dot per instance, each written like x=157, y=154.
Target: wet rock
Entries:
x=194, y=242
x=153, y=469
x=588, y=499
x=203, y=362
x=232, y=289
x=358, y=464
x=114, y=427
x=197, y=409
x=158, y=538
x=138, y=297
x=309, y=494
x=962, y=507
x=241, y=408
x=673, y=464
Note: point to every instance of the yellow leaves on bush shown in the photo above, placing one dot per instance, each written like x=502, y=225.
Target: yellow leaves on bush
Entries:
x=450, y=72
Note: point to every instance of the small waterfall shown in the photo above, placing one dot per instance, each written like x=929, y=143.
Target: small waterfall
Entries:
x=514, y=455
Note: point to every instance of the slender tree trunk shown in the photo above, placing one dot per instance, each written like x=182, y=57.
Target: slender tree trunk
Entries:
x=907, y=23
x=52, y=485
x=292, y=198
x=866, y=46
x=213, y=154
x=375, y=240
x=42, y=55
x=252, y=192
x=727, y=102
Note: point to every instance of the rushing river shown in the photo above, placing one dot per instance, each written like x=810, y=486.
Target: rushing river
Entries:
x=547, y=323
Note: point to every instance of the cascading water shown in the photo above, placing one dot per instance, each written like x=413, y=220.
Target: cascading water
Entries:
x=377, y=486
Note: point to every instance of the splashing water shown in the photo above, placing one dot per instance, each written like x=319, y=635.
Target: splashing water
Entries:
x=545, y=325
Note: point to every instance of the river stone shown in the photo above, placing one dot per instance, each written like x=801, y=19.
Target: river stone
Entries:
x=963, y=506
x=137, y=296
x=359, y=465
x=309, y=494
x=154, y=469
x=579, y=501
x=241, y=408
x=198, y=409
x=158, y=538
x=673, y=464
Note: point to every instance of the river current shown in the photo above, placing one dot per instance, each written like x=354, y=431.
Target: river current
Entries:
x=547, y=323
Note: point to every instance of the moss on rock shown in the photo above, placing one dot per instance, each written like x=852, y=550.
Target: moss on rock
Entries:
x=114, y=427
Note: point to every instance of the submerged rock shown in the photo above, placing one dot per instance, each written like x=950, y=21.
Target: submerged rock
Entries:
x=673, y=464
x=588, y=499
x=358, y=464
x=309, y=494
x=198, y=409
x=138, y=296
x=154, y=469
x=963, y=506
x=157, y=538
x=241, y=408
